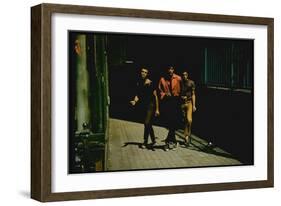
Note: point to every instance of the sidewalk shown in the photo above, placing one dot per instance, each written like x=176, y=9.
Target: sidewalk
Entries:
x=124, y=152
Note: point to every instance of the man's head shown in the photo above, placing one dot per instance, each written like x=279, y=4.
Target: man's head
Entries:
x=170, y=70
x=144, y=73
x=185, y=75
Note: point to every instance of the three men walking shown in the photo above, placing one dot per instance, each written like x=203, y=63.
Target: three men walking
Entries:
x=177, y=98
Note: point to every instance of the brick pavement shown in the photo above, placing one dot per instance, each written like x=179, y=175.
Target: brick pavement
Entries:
x=124, y=152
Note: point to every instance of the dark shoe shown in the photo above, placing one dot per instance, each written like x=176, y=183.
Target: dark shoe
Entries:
x=172, y=146
x=166, y=148
x=175, y=145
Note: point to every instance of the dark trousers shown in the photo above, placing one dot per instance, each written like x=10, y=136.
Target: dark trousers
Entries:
x=171, y=115
x=148, y=119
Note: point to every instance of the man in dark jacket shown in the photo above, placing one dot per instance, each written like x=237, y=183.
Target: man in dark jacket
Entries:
x=147, y=99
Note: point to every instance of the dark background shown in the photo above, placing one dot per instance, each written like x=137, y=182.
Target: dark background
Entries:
x=224, y=96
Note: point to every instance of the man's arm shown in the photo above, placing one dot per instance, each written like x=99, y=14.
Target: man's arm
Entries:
x=193, y=98
x=156, y=103
x=193, y=101
x=160, y=87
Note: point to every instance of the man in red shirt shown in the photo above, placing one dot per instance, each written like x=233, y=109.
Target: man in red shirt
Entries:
x=170, y=87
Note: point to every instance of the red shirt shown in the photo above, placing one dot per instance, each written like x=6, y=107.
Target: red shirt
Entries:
x=166, y=88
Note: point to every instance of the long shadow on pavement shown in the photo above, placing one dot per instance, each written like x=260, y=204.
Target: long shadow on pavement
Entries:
x=201, y=147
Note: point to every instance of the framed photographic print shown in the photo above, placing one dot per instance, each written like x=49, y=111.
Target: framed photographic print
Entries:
x=132, y=102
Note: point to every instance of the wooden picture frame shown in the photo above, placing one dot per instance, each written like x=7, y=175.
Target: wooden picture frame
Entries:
x=41, y=97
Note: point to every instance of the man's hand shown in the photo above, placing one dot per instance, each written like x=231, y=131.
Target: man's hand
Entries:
x=157, y=113
x=184, y=97
x=133, y=103
x=193, y=108
x=147, y=82
x=168, y=94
